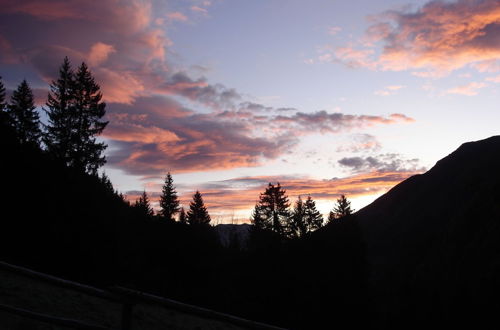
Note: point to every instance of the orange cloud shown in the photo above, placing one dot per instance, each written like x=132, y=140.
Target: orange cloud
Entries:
x=239, y=195
x=137, y=133
x=438, y=38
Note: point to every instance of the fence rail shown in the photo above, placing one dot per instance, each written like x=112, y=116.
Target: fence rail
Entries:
x=126, y=297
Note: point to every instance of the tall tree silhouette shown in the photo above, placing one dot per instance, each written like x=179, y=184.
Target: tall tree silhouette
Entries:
x=75, y=112
x=182, y=216
x=197, y=213
x=341, y=209
x=272, y=210
x=143, y=206
x=297, y=223
x=3, y=103
x=169, y=203
x=305, y=218
x=4, y=117
x=88, y=111
x=23, y=115
x=59, y=112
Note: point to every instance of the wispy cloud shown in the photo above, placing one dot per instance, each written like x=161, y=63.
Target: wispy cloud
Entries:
x=389, y=162
x=389, y=90
x=241, y=194
x=470, y=89
x=435, y=39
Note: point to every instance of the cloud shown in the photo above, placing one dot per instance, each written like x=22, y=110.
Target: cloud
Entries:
x=389, y=90
x=495, y=79
x=470, y=89
x=381, y=163
x=333, y=30
x=177, y=16
x=188, y=141
x=99, y=52
x=161, y=117
x=439, y=37
x=360, y=143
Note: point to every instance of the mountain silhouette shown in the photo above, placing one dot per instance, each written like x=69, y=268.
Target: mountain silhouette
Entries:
x=433, y=241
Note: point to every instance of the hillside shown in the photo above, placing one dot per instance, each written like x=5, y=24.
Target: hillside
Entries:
x=433, y=241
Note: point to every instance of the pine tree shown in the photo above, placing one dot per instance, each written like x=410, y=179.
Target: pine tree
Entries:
x=341, y=209
x=169, y=203
x=197, y=213
x=305, y=218
x=182, y=216
x=312, y=217
x=272, y=210
x=4, y=117
x=297, y=225
x=59, y=112
x=23, y=115
x=143, y=206
x=75, y=112
x=88, y=111
x=3, y=103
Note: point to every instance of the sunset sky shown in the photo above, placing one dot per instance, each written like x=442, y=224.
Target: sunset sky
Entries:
x=327, y=97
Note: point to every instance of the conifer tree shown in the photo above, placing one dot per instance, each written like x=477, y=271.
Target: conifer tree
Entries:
x=75, y=112
x=197, y=213
x=23, y=115
x=272, y=210
x=2, y=96
x=182, y=216
x=4, y=118
x=169, y=203
x=143, y=206
x=305, y=218
x=312, y=217
x=88, y=111
x=59, y=112
x=341, y=209
x=297, y=225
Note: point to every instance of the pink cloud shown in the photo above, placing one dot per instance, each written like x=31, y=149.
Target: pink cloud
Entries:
x=437, y=38
x=177, y=16
x=99, y=53
x=470, y=89
x=199, y=10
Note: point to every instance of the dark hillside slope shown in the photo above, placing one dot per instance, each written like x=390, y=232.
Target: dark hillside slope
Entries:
x=433, y=241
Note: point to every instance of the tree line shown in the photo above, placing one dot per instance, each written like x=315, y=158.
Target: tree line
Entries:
x=272, y=212
x=75, y=112
x=74, y=109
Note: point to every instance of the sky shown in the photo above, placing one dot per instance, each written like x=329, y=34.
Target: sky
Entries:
x=326, y=97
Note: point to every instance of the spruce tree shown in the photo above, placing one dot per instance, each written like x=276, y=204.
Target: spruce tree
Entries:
x=182, y=216
x=88, y=112
x=312, y=217
x=58, y=132
x=297, y=225
x=143, y=206
x=4, y=118
x=197, y=214
x=23, y=115
x=169, y=203
x=341, y=209
x=272, y=210
x=305, y=218
x=3, y=103
x=75, y=111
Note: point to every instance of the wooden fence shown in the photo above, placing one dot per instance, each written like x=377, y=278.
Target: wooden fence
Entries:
x=127, y=298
